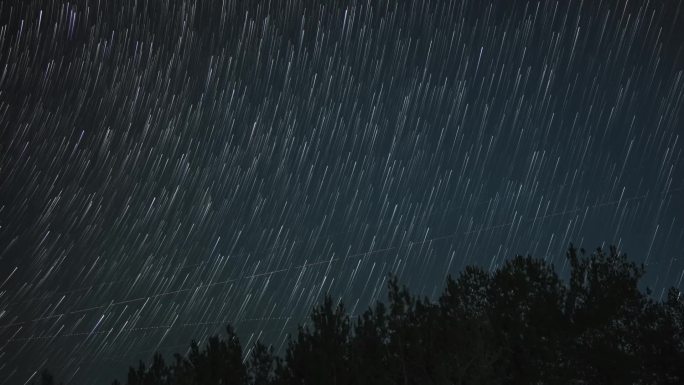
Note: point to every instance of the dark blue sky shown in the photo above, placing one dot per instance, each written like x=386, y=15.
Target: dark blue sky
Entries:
x=168, y=167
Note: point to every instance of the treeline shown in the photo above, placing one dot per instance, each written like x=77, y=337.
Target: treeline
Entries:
x=520, y=324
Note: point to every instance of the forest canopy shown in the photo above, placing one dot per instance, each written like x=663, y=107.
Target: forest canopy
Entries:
x=518, y=324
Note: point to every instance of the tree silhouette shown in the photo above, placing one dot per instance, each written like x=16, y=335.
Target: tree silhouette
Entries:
x=606, y=311
x=526, y=312
x=468, y=340
x=220, y=362
x=369, y=351
x=320, y=354
x=262, y=365
x=519, y=324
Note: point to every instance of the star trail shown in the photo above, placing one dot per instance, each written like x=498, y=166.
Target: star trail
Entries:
x=169, y=167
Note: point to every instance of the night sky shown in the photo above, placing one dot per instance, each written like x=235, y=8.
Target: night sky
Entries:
x=169, y=167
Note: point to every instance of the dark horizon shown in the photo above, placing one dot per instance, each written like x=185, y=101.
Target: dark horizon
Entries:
x=518, y=324
x=167, y=168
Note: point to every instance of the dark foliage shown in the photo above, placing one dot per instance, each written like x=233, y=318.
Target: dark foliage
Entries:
x=46, y=378
x=520, y=324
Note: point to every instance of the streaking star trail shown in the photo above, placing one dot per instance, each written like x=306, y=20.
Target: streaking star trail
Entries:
x=169, y=167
